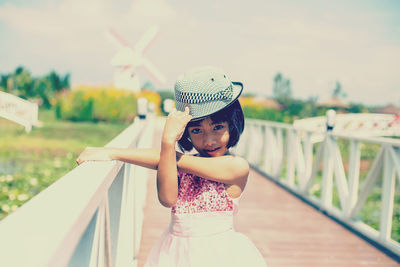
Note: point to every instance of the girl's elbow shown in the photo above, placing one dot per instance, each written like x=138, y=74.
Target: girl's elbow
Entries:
x=241, y=167
x=167, y=202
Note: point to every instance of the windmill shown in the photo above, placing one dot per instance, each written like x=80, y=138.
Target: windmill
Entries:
x=128, y=59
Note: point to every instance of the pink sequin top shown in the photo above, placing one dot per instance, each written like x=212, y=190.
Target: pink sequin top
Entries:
x=196, y=194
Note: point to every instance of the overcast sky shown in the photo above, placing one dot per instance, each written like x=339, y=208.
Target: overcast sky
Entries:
x=314, y=43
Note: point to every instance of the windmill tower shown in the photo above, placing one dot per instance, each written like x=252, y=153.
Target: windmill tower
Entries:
x=128, y=59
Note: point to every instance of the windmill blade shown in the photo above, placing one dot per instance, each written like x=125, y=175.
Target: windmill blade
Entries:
x=146, y=39
x=116, y=39
x=125, y=56
x=153, y=71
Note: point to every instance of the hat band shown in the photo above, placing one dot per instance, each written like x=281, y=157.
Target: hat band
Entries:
x=197, y=98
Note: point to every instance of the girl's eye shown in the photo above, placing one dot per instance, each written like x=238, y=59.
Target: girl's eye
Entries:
x=219, y=127
x=195, y=131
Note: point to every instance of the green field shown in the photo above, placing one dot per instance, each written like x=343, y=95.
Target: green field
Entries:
x=30, y=162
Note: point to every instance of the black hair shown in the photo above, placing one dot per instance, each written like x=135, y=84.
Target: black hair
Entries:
x=232, y=114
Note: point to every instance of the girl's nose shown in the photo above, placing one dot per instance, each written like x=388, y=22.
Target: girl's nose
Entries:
x=209, y=140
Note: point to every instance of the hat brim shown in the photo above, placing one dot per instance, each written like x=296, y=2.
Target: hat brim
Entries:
x=213, y=107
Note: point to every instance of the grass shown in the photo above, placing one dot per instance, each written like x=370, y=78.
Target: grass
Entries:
x=30, y=162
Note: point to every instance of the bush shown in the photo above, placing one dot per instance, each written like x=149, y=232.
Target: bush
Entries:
x=254, y=110
x=87, y=103
x=261, y=113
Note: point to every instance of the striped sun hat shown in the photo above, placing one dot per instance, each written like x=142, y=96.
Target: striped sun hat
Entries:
x=205, y=91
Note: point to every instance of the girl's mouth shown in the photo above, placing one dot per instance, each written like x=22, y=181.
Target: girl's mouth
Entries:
x=211, y=151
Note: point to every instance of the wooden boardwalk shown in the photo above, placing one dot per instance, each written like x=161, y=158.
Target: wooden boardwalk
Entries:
x=287, y=231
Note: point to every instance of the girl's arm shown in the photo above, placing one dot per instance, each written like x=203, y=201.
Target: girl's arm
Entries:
x=145, y=157
x=167, y=175
x=225, y=169
x=167, y=172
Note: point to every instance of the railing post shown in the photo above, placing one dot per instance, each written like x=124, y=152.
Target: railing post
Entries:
x=327, y=176
x=240, y=148
x=315, y=168
x=369, y=182
x=354, y=176
x=290, y=157
x=330, y=119
x=101, y=247
x=142, y=108
x=308, y=159
x=255, y=148
x=270, y=149
x=340, y=176
x=125, y=235
x=278, y=163
x=300, y=162
x=385, y=225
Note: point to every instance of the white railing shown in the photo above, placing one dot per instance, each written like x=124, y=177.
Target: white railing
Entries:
x=304, y=165
x=361, y=124
x=92, y=216
x=19, y=110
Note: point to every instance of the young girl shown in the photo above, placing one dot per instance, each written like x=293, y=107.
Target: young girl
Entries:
x=203, y=189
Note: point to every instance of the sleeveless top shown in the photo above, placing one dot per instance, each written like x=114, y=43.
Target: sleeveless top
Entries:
x=196, y=194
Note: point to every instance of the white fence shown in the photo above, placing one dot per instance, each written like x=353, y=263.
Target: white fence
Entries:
x=19, y=110
x=306, y=165
x=360, y=124
x=90, y=217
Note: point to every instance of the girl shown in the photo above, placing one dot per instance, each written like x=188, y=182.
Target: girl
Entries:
x=203, y=189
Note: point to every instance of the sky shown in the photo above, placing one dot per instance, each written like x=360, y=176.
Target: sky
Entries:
x=314, y=43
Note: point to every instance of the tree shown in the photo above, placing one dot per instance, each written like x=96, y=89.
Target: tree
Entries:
x=357, y=108
x=55, y=80
x=282, y=91
x=6, y=82
x=148, y=85
x=338, y=91
x=309, y=107
x=43, y=89
x=65, y=82
x=22, y=82
x=58, y=83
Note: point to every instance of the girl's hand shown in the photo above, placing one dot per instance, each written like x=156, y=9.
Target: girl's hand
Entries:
x=175, y=125
x=94, y=154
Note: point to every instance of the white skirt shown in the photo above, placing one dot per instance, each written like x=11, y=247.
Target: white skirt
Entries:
x=203, y=239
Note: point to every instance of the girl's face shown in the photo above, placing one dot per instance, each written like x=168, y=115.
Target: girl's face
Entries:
x=210, y=138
